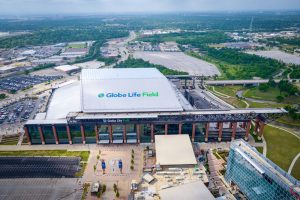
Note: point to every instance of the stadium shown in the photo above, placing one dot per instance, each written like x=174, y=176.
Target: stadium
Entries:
x=132, y=105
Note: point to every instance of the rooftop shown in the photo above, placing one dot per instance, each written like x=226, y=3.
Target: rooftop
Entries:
x=174, y=150
x=191, y=191
x=127, y=90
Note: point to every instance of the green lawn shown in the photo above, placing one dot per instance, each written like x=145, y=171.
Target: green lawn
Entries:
x=83, y=154
x=296, y=170
x=76, y=46
x=289, y=121
x=230, y=90
x=266, y=105
x=270, y=94
x=260, y=149
x=282, y=146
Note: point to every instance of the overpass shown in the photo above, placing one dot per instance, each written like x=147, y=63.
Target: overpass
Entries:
x=196, y=78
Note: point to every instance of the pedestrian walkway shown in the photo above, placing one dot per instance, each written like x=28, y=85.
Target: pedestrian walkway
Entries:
x=293, y=163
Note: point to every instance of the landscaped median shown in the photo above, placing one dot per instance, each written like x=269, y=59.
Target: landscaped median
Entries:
x=282, y=147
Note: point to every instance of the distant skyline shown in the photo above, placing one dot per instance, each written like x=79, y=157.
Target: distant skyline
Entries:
x=38, y=7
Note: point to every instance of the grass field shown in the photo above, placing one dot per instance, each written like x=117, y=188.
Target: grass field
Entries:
x=260, y=149
x=84, y=155
x=289, y=121
x=296, y=170
x=270, y=95
x=76, y=46
x=282, y=146
x=230, y=90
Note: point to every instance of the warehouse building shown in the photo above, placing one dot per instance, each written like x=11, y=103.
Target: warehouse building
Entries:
x=133, y=105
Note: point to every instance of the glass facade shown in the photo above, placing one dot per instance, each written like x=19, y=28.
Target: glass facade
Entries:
x=103, y=132
x=159, y=129
x=117, y=133
x=48, y=134
x=34, y=134
x=173, y=129
x=90, y=134
x=62, y=134
x=145, y=133
x=199, y=132
x=76, y=134
x=256, y=179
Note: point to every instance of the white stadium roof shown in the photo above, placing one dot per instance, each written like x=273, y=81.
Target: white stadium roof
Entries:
x=126, y=90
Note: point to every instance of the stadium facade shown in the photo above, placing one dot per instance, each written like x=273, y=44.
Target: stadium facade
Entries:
x=132, y=106
x=258, y=177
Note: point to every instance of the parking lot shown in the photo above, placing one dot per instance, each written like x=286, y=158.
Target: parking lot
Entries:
x=39, y=167
x=17, y=83
x=42, y=189
x=13, y=115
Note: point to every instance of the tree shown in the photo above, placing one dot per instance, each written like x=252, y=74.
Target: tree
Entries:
x=263, y=87
x=117, y=194
x=271, y=82
x=279, y=98
x=131, y=167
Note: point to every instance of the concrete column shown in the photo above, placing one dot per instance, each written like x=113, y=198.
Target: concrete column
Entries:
x=110, y=133
x=124, y=134
x=82, y=133
x=97, y=134
x=152, y=132
x=260, y=130
x=166, y=129
x=244, y=125
x=26, y=132
x=138, y=133
x=206, y=131
x=41, y=134
x=179, y=128
x=55, y=134
x=69, y=134
x=193, y=131
x=248, y=126
x=234, y=125
x=220, y=131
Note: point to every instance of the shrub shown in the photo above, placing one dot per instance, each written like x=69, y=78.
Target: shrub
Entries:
x=279, y=98
x=103, y=188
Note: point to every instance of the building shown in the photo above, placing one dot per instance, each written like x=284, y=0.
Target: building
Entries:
x=67, y=68
x=191, y=191
x=133, y=105
x=174, y=151
x=256, y=176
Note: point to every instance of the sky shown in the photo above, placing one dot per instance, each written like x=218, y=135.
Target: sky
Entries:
x=21, y=7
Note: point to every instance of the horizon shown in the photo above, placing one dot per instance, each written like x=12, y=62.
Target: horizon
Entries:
x=104, y=7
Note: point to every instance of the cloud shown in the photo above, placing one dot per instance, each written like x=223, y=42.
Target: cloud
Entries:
x=123, y=6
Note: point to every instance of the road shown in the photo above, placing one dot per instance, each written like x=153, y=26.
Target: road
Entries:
x=241, y=82
x=122, y=48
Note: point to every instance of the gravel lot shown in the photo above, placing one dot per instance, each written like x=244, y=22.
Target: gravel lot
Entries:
x=278, y=55
x=179, y=61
